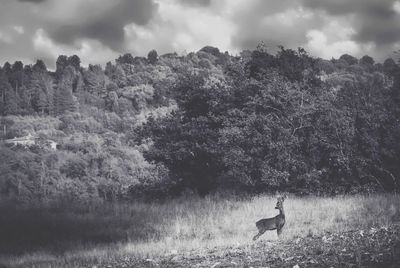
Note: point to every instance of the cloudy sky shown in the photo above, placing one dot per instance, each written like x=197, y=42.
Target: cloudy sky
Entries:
x=100, y=30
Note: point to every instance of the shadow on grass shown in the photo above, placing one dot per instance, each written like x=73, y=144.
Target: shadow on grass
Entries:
x=59, y=230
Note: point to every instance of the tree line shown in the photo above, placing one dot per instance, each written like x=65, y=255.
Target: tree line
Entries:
x=284, y=122
x=206, y=121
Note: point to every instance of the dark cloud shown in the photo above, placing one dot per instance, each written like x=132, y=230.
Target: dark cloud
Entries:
x=30, y=29
x=270, y=21
x=380, y=31
x=18, y=49
x=339, y=7
x=203, y=3
x=269, y=7
x=32, y=1
x=67, y=23
x=107, y=27
x=374, y=20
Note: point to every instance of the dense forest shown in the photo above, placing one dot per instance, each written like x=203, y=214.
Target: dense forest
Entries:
x=157, y=126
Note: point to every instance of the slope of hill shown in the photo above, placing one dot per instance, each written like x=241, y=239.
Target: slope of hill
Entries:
x=206, y=121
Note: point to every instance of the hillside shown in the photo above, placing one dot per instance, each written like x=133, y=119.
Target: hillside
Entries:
x=203, y=122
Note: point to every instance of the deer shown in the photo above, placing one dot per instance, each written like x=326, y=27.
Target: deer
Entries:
x=275, y=223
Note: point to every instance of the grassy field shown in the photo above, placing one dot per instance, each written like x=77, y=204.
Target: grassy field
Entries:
x=96, y=234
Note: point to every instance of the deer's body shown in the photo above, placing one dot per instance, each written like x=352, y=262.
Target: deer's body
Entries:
x=275, y=223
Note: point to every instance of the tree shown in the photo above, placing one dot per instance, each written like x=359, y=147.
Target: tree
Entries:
x=152, y=57
x=7, y=68
x=17, y=76
x=260, y=61
x=64, y=99
x=39, y=66
x=325, y=66
x=140, y=96
x=117, y=74
x=74, y=168
x=390, y=67
x=125, y=59
x=294, y=64
x=41, y=89
x=211, y=50
x=61, y=64
x=350, y=60
x=9, y=102
x=94, y=80
x=367, y=60
x=189, y=139
x=112, y=102
x=75, y=62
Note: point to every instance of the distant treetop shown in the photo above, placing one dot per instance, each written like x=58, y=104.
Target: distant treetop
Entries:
x=212, y=50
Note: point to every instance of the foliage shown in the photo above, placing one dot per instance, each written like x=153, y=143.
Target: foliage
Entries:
x=64, y=99
x=152, y=56
x=205, y=122
x=275, y=125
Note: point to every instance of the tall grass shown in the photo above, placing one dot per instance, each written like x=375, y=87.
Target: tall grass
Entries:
x=178, y=226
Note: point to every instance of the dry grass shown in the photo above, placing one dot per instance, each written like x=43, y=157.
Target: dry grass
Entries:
x=182, y=225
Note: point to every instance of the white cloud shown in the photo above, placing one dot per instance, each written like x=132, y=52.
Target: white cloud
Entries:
x=73, y=11
x=180, y=28
x=90, y=51
x=8, y=34
x=5, y=37
x=290, y=17
x=335, y=38
x=395, y=48
x=319, y=46
x=325, y=29
x=396, y=6
x=19, y=29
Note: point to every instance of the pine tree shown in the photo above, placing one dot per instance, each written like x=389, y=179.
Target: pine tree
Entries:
x=41, y=90
x=117, y=74
x=152, y=57
x=24, y=106
x=8, y=98
x=39, y=66
x=3, y=85
x=95, y=80
x=61, y=64
x=17, y=76
x=25, y=101
x=75, y=62
x=64, y=100
x=10, y=101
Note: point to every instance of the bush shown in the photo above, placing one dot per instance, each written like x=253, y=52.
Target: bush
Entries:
x=74, y=168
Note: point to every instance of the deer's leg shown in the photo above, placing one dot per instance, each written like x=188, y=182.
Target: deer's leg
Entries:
x=258, y=235
x=279, y=231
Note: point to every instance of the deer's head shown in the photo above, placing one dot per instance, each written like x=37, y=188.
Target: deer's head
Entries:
x=279, y=202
